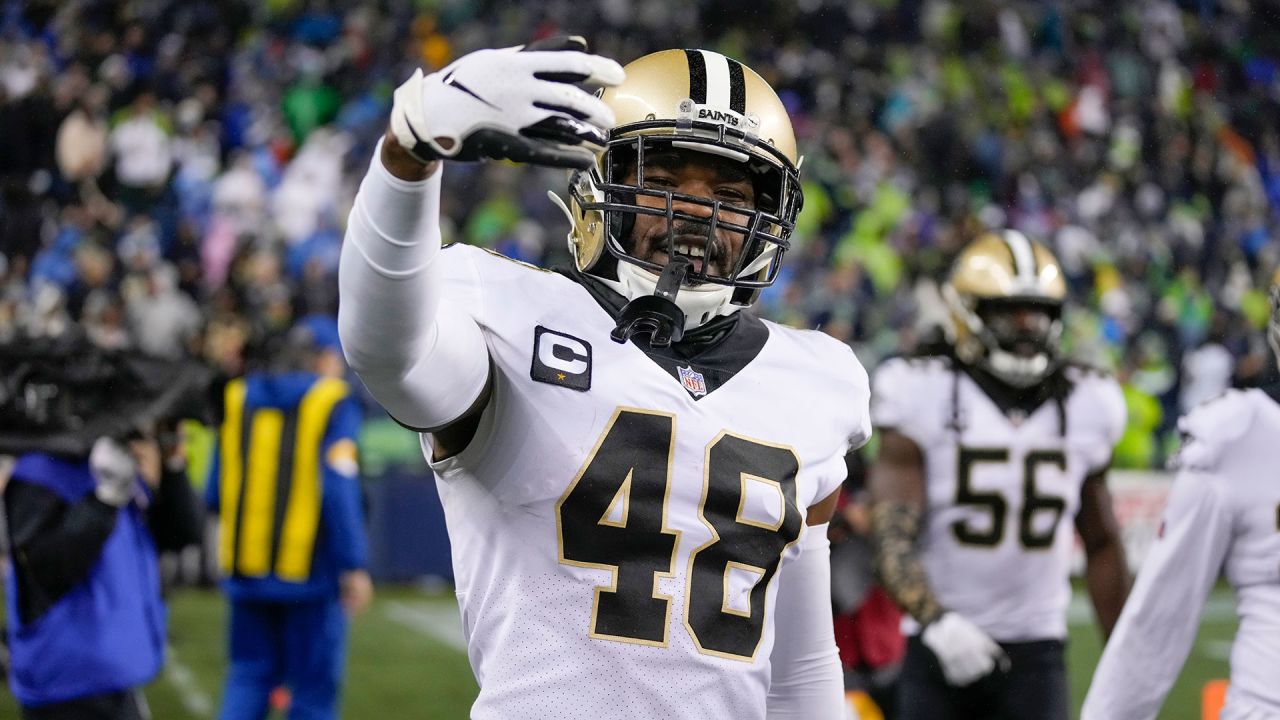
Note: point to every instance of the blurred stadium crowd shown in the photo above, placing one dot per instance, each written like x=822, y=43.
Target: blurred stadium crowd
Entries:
x=175, y=174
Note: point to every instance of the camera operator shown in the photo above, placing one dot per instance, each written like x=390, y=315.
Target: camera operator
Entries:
x=85, y=520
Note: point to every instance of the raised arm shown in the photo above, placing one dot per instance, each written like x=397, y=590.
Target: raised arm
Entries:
x=422, y=356
x=415, y=343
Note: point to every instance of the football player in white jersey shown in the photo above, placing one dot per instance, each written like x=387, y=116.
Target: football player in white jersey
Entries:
x=1222, y=517
x=989, y=449
x=637, y=477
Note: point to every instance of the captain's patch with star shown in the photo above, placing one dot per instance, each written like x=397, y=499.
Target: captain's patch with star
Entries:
x=561, y=359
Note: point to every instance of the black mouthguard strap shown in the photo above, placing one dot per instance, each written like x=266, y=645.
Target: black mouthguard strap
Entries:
x=656, y=315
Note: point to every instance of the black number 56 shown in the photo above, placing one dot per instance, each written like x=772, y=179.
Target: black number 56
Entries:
x=997, y=506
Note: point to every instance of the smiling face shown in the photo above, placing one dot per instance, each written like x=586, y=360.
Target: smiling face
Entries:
x=701, y=175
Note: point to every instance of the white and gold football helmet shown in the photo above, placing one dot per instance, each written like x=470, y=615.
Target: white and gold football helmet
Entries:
x=690, y=100
x=1005, y=294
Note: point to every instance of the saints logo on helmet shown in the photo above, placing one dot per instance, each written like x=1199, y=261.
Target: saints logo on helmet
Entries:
x=690, y=100
x=1005, y=294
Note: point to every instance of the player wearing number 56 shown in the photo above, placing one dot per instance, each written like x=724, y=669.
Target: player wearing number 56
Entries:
x=991, y=445
x=636, y=476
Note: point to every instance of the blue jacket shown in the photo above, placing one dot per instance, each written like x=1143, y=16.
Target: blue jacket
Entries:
x=108, y=632
x=285, y=484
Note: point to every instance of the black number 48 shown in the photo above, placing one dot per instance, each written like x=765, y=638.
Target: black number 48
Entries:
x=614, y=517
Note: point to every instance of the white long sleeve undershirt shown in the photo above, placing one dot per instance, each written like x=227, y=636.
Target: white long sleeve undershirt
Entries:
x=807, y=682
x=422, y=356
x=1160, y=619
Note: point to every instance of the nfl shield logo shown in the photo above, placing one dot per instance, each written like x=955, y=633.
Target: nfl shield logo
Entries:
x=693, y=381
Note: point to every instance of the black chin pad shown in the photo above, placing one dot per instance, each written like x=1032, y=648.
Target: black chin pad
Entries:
x=656, y=315
x=659, y=318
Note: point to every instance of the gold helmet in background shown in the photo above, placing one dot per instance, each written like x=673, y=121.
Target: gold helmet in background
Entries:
x=1005, y=294
x=690, y=100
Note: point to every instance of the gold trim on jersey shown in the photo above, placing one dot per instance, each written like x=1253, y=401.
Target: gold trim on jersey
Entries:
x=522, y=263
x=715, y=538
x=999, y=526
x=729, y=566
x=613, y=569
x=1032, y=495
x=1018, y=508
x=623, y=498
x=742, y=501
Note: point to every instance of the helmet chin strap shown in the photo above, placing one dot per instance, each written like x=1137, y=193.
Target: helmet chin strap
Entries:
x=656, y=315
x=700, y=303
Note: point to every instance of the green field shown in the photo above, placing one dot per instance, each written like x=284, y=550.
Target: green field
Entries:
x=405, y=660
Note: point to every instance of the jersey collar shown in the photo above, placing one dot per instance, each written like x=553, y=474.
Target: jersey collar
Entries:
x=717, y=350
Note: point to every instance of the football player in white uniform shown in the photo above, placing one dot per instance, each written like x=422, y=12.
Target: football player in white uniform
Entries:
x=1223, y=516
x=988, y=450
x=636, y=477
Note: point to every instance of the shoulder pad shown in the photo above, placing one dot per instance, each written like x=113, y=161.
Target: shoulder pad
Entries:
x=491, y=260
x=1210, y=428
x=1078, y=371
x=907, y=392
x=901, y=367
x=914, y=369
x=1098, y=413
x=838, y=358
x=839, y=372
x=929, y=362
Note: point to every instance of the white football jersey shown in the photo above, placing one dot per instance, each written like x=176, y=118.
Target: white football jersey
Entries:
x=1223, y=516
x=618, y=527
x=1002, y=495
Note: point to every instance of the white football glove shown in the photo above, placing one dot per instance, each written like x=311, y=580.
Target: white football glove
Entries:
x=964, y=650
x=114, y=470
x=518, y=103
